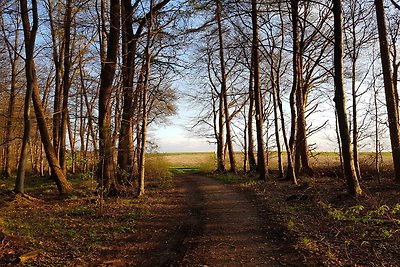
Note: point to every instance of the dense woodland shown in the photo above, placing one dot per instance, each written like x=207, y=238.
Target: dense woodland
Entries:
x=82, y=80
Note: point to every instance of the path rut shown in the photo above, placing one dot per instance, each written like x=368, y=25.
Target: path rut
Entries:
x=209, y=223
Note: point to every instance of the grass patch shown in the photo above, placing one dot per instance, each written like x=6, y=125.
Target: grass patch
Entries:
x=229, y=178
x=80, y=212
x=184, y=170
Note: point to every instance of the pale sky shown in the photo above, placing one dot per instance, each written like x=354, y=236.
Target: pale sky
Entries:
x=174, y=138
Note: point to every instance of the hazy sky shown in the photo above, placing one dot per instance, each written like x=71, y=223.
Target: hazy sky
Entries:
x=175, y=135
x=174, y=138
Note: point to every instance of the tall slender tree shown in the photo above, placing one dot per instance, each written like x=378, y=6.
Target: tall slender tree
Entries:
x=106, y=175
x=66, y=84
x=353, y=185
x=261, y=158
x=30, y=39
x=290, y=173
x=224, y=89
x=34, y=94
x=390, y=93
x=145, y=85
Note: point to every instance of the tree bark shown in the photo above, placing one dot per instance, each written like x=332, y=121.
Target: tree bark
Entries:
x=29, y=39
x=66, y=84
x=354, y=56
x=290, y=172
x=250, y=128
x=261, y=159
x=302, y=164
x=390, y=94
x=147, y=61
x=126, y=152
x=276, y=127
x=340, y=102
x=224, y=90
x=58, y=52
x=63, y=185
x=125, y=143
x=13, y=57
x=106, y=176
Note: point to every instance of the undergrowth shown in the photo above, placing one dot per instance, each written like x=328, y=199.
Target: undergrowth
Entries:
x=361, y=214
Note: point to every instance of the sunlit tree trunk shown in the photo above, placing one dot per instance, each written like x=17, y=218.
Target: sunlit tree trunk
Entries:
x=147, y=61
x=106, y=175
x=125, y=143
x=66, y=84
x=302, y=160
x=29, y=38
x=340, y=103
x=276, y=126
x=302, y=165
x=250, y=128
x=390, y=94
x=261, y=159
x=224, y=93
x=57, y=53
x=290, y=173
x=58, y=175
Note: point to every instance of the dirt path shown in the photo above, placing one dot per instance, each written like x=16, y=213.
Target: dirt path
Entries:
x=216, y=225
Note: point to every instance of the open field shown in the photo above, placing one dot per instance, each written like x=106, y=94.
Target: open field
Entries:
x=322, y=162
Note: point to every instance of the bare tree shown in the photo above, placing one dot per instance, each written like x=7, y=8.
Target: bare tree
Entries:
x=106, y=175
x=390, y=93
x=290, y=173
x=340, y=102
x=30, y=38
x=224, y=94
x=144, y=86
x=33, y=93
x=66, y=83
x=261, y=159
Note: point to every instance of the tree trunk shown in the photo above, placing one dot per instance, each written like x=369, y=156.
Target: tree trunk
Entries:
x=72, y=139
x=125, y=143
x=302, y=165
x=106, y=175
x=224, y=93
x=261, y=160
x=147, y=61
x=290, y=173
x=250, y=129
x=29, y=38
x=301, y=134
x=62, y=184
x=13, y=55
x=126, y=152
x=377, y=145
x=89, y=108
x=58, y=52
x=354, y=98
x=220, y=136
x=390, y=94
x=66, y=84
x=340, y=102
x=276, y=127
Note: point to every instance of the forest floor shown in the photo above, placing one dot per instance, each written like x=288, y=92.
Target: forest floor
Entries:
x=205, y=220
